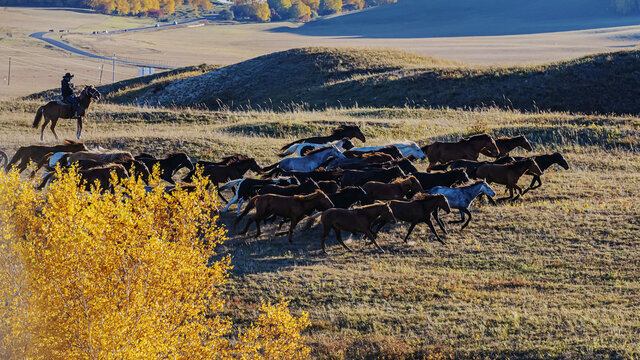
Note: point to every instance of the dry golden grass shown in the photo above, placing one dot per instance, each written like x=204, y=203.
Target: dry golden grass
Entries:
x=552, y=276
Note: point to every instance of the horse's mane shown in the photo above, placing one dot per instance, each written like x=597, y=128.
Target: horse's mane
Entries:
x=475, y=137
x=468, y=184
x=425, y=196
x=376, y=204
x=345, y=127
x=314, y=194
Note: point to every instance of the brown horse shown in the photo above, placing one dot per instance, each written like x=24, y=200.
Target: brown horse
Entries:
x=466, y=148
x=358, y=220
x=101, y=156
x=418, y=210
x=169, y=165
x=398, y=189
x=507, y=144
x=508, y=174
x=292, y=207
x=36, y=153
x=100, y=176
x=223, y=173
x=341, y=132
x=54, y=111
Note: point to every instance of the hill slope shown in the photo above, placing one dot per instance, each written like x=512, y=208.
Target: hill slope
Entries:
x=444, y=18
x=329, y=77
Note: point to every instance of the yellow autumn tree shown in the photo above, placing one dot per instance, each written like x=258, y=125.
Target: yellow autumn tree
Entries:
x=122, y=275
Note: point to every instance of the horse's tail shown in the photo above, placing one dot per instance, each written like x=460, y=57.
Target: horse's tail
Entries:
x=425, y=149
x=4, y=159
x=270, y=171
x=16, y=157
x=45, y=180
x=288, y=151
x=311, y=221
x=250, y=205
x=38, y=117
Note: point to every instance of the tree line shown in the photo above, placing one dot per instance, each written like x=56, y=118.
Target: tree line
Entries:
x=298, y=10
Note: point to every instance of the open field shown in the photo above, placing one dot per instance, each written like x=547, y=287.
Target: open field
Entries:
x=228, y=42
x=552, y=276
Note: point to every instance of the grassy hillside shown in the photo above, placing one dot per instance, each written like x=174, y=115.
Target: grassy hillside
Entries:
x=444, y=18
x=552, y=276
x=332, y=77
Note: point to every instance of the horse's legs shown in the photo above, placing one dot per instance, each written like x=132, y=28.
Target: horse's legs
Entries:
x=433, y=230
x=413, y=225
x=220, y=194
x=372, y=237
x=294, y=222
x=240, y=203
x=79, y=128
x=510, y=189
x=468, y=220
x=325, y=232
x=252, y=219
x=439, y=222
x=536, y=179
x=339, y=237
x=44, y=126
x=461, y=218
x=53, y=127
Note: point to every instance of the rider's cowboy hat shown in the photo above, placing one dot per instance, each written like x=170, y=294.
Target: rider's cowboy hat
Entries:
x=68, y=75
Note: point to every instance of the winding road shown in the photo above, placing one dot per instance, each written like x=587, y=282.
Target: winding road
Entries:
x=75, y=50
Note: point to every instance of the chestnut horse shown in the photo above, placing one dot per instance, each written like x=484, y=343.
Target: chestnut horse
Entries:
x=398, y=189
x=358, y=220
x=419, y=210
x=544, y=162
x=341, y=132
x=466, y=148
x=36, y=153
x=292, y=207
x=507, y=144
x=53, y=111
x=508, y=174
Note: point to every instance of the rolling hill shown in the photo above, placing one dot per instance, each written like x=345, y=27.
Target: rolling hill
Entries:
x=452, y=18
x=318, y=78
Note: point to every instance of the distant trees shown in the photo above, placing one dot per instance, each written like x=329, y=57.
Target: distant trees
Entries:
x=135, y=7
x=300, y=11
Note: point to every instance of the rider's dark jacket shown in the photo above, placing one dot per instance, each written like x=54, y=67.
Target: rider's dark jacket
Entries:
x=67, y=88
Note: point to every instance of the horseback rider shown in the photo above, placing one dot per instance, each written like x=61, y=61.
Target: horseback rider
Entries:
x=69, y=94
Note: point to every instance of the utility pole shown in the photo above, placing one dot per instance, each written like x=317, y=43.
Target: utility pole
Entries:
x=9, y=76
x=100, y=77
x=114, y=68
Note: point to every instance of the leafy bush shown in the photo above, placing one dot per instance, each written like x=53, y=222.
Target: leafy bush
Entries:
x=330, y=6
x=226, y=15
x=300, y=11
x=121, y=276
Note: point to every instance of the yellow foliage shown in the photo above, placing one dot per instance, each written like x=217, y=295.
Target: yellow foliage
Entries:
x=125, y=275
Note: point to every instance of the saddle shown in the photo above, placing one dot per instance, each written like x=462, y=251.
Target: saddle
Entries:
x=62, y=102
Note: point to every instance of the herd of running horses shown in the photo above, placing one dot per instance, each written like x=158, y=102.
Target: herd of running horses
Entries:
x=351, y=189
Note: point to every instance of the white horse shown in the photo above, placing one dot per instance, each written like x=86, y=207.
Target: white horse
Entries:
x=406, y=148
x=342, y=145
x=306, y=163
x=461, y=197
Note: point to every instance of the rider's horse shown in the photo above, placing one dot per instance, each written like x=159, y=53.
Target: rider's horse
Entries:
x=55, y=110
